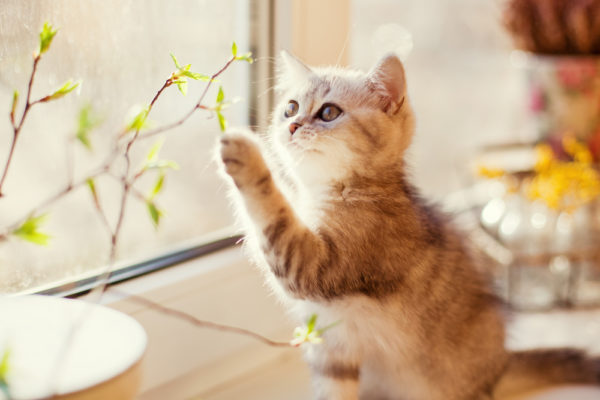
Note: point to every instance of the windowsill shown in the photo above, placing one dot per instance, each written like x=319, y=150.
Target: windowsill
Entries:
x=183, y=360
x=286, y=378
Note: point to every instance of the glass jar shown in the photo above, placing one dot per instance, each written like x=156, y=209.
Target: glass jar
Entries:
x=555, y=260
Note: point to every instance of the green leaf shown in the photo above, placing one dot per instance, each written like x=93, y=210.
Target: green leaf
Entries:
x=92, y=186
x=312, y=321
x=84, y=139
x=220, y=95
x=29, y=230
x=4, y=364
x=234, y=49
x=175, y=61
x=46, y=36
x=222, y=121
x=158, y=185
x=182, y=86
x=139, y=121
x=153, y=153
x=179, y=76
x=195, y=76
x=152, y=161
x=246, y=57
x=4, y=369
x=68, y=87
x=86, y=121
x=162, y=164
x=15, y=100
x=155, y=213
x=320, y=331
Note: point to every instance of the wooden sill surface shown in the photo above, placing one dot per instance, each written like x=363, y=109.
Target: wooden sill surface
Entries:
x=288, y=377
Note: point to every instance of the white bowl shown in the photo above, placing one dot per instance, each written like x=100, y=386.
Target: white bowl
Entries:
x=59, y=346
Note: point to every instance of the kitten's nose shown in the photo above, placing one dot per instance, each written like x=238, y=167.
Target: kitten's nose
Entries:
x=294, y=126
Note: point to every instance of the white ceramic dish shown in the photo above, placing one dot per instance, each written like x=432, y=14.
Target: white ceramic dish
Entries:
x=102, y=343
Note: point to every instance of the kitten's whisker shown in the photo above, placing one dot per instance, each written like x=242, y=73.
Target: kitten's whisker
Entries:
x=272, y=60
x=267, y=90
x=337, y=63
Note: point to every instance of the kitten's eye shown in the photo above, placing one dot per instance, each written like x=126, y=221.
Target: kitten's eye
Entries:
x=329, y=112
x=291, y=109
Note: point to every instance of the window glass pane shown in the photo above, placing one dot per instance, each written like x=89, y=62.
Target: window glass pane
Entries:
x=120, y=50
x=461, y=83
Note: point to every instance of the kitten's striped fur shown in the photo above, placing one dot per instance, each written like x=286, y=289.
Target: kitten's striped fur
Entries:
x=339, y=231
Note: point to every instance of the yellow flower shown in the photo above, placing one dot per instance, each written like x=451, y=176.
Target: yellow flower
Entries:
x=565, y=185
x=545, y=157
x=489, y=172
x=577, y=150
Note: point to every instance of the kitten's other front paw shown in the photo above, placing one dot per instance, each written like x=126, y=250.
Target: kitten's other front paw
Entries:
x=242, y=158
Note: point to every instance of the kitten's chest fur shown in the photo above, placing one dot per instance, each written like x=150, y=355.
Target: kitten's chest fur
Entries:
x=385, y=238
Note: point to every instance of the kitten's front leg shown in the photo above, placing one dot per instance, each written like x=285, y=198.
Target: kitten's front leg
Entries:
x=302, y=260
x=308, y=263
x=243, y=161
x=297, y=256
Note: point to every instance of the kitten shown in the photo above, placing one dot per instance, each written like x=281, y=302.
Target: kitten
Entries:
x=339, y=231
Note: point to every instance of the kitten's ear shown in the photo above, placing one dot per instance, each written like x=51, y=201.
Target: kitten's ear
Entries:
x=291, y=70
x=388, y=79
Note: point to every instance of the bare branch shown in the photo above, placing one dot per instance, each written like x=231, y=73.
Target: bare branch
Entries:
x=100, y=211
x=70, y=187
x=17, y=127
x=198, y=322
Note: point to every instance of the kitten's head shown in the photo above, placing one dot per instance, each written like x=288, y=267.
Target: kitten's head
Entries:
x=333, y=123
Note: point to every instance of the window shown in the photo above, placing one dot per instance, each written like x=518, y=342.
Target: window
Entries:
x=120, y=51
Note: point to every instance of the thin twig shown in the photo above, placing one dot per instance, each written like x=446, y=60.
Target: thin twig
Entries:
x=101, y=213
x=139, y=195
x=134, y=191
x=128, y=184
x=198, y=322
x=51, y=200
x=70, y=160
x=198, y=105
x=167, y=83
x=17, y=127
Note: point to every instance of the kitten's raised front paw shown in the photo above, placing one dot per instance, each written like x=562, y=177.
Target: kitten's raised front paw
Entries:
x=242, y=157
